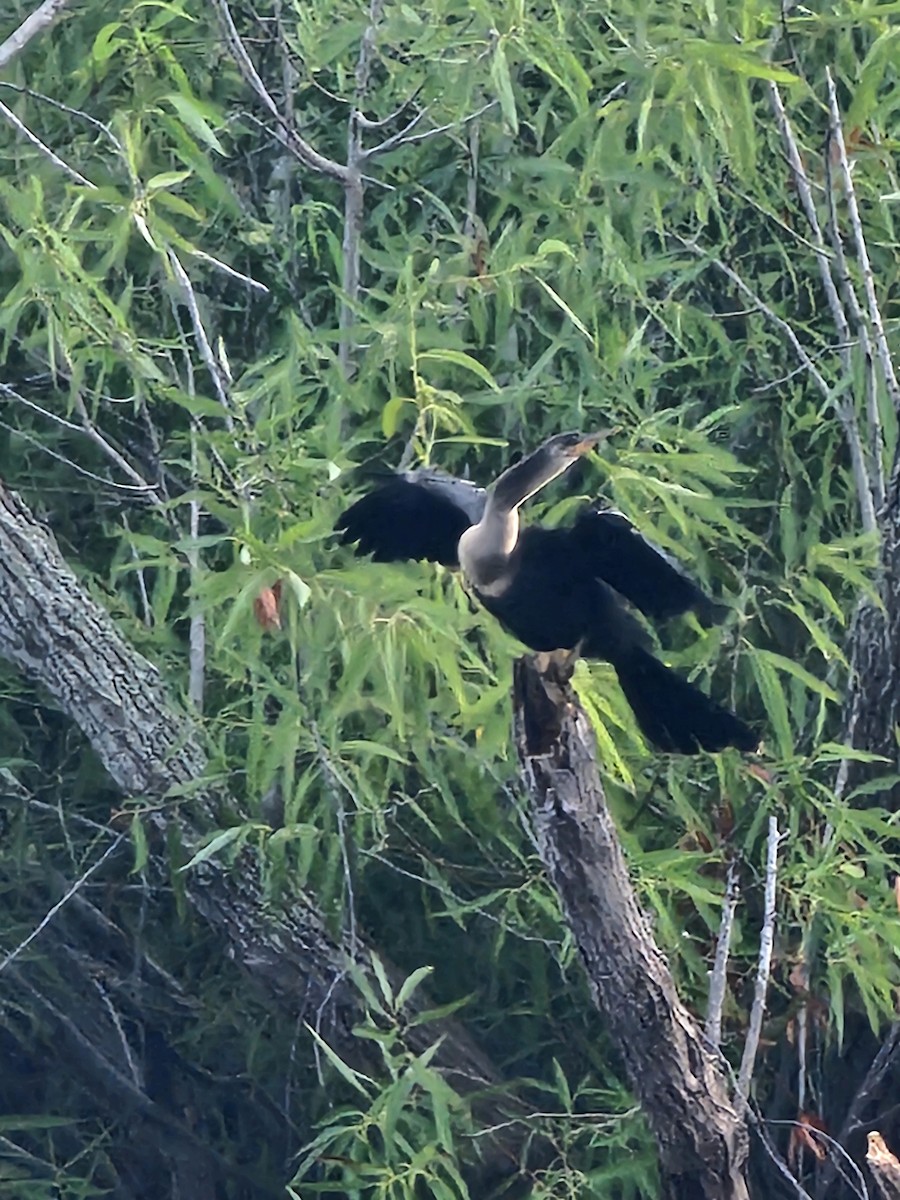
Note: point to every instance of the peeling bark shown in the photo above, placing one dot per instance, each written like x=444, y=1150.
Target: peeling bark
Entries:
x=702, y=1138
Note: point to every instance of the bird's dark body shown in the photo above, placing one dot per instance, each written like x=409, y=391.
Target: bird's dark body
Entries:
x=558, y=589
x=556, y=600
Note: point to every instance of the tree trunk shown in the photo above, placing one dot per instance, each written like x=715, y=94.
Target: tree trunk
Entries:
x=702, y=1140
x=57, y=635
x=872, y=711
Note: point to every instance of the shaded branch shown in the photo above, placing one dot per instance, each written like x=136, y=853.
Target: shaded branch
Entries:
x=58, y=636
x=845, y=405
x=884, y=1167
x=846, y=412
x=304, y=151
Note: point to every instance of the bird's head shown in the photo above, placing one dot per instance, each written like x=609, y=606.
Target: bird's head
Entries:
x=569, y=446
x=520, y=482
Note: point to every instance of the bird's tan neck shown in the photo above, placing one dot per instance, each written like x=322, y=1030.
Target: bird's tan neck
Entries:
x=485, y=550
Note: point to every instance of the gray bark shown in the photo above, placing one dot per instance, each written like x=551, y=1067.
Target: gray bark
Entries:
x=872, y=712
x=702, y=1140
x=65, y=642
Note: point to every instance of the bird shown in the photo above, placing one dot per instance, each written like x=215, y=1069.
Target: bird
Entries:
x=570, y=590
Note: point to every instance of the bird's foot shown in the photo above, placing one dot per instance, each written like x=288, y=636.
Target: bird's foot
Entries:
x=557, y=666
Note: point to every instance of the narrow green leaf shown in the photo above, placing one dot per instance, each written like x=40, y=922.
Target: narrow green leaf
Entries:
x=383, y=982
x=141, y=849
x=167, y=179
x=563, y=307
x=190, y=113
x=460, y=359
x=356, y=1079
x=217, y=843
x=390, y=414
x=774, y=700
x=502, y=82
x=411, y=983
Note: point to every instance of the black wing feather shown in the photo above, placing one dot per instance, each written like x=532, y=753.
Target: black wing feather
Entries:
x=638, y=570
x=404, y=520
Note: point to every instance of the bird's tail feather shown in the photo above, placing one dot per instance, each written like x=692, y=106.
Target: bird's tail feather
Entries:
x=673, y=714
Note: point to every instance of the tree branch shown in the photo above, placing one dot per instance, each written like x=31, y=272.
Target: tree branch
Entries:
x=34, y=23
x=701, y=1137
x=718, y=980
x=766, y=942
x=57, y=635
x=862, y=252
x=304, y=151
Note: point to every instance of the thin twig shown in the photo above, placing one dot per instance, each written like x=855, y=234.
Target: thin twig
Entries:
x=718, y=980
x=839, y=1153
x=848, y=291
x=109, y=450
x=63, y=166
x=846, y=413
x=34, y=23
x=307, y=154
x=142, y=582
x=61, y=902
x=143, y=489
x=66, y=108
x=197, y=636
x=402, y=139
x=227, y=270
x=766, y=941
x=203, y=343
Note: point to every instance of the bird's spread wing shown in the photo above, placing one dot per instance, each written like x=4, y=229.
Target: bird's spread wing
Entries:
x=415, y=515
x=639, y=570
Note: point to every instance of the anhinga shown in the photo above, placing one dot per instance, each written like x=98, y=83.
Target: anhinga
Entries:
x=555, y=589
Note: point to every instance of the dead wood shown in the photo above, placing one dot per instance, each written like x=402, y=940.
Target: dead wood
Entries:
x=682, y=1088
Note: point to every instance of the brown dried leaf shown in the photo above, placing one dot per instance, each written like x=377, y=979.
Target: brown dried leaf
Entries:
x=803, y=1137
x=265, y=608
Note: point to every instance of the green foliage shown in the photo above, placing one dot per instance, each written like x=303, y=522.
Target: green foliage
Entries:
x=613, y=146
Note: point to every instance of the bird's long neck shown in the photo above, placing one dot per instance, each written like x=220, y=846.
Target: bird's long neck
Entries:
x=520, y=482
x=485, y=549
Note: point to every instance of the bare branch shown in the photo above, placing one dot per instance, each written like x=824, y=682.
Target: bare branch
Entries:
x=367, y=123
x=66, y=108
x=197, y=638
x=884, y=1167
x=717, y=983
x=766, y=941
x=304, y=151
x=110, y=451
x=876, y=435
x=203, y=344
x=846, y=413
x=405, y=138
x=862, y=252
x=22, y=128
x=682, y=1086
x=62, y=902
x=34, y=23
x=227, y=270
x=73, y=466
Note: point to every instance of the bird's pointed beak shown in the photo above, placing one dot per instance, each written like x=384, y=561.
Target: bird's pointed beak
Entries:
x=590, y=441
